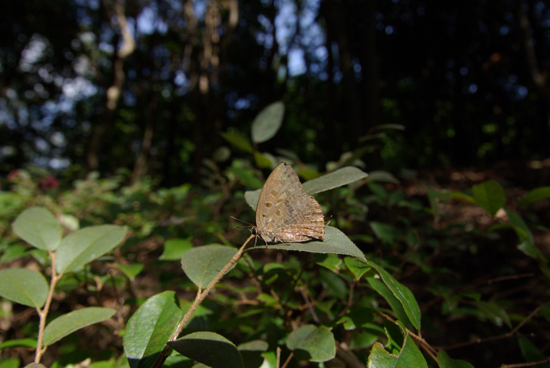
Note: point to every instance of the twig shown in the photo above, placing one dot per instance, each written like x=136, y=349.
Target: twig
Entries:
x=423, y=343
x=43, y=313
x=529, y=364
x=505, y=336
x=200, y=297
x=288, y=360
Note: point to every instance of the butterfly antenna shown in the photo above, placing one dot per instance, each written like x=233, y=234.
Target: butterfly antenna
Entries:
x=238, y=227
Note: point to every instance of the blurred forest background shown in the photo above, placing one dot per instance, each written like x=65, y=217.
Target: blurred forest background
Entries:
x=148, y=86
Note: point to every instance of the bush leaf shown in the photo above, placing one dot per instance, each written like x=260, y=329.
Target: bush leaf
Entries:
x=402, y=293
x=174, y=249
x=490, y=196
x=85, y=245
x=313, y=343
x=209, y=349
x=38, y=227
x=24, y=286
x=535, y=195
x=338, y=178
x=445, y=361
x=336, y=242
x=268, y=122
x=252, y=353
x=70, y=322
x=394, y=303
x=150, y=328
x=410, y=356
x=203, y=264
x=238, y=141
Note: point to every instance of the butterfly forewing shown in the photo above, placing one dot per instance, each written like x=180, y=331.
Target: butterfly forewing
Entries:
x=285, y=212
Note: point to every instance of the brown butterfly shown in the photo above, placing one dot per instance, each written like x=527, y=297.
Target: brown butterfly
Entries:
x=285, y=212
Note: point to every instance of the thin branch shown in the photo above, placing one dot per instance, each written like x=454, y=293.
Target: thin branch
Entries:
x=507, y=335
x=529, y=364
x=43, y=313
x=200, y=297
x=423, y=343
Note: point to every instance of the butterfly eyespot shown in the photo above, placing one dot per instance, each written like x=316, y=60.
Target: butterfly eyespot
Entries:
x=274, y=193
x=269, y=204
x=278, y=213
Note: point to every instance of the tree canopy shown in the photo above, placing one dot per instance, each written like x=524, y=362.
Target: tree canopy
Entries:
x=149, y=86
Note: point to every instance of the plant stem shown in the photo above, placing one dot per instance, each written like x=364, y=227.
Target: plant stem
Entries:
x=43, y=313
x=200, y=297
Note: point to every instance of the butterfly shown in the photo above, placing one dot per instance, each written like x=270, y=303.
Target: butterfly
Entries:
x=285, y=212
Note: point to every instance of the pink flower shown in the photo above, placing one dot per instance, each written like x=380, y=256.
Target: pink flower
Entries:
x=14, y=174
x=48, y=182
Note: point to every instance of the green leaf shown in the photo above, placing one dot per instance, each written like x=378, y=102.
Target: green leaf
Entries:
x=203, y=264
x=150, y=328
x=336, y=242
x=10, y=363
x=174, y=249
x=531, y=251
x=35, y=365
x=409, y=356
x=380, y=358
x=38, y=227
x=535, y=195
x=312, y=343
x=434, y=197
x=70, y=322
x=252, y=197
x=262, y=161
x=402, y=293
x=520, y=227
x=490, y=196
x=531, y=353
x=338, y=178
x=335, y=286
x=445, y=361
x=16, y=251
x=357, y=268
x=131, y=270
x=25, y=343
x=85, y=245
x=209, y=349
x=252, y=353
x=394, y=303
x=268, y=122
x=494, y=312
x=24, y=286
x=238, y=141
x=382, y=176
x=387, y=233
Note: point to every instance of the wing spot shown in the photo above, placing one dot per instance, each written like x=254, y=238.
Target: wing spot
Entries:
x=268, y=204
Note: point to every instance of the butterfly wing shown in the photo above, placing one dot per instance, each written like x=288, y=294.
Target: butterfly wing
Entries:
x=285, y=212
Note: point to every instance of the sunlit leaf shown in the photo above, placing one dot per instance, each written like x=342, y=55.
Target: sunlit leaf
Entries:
x=268, y=122
x=150, y=328
x=209, y=348
x=38, y=227
x=24, y=286
x=73, y=321
x=203, y=264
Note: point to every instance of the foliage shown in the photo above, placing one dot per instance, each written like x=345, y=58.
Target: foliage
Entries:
x=337, y=300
